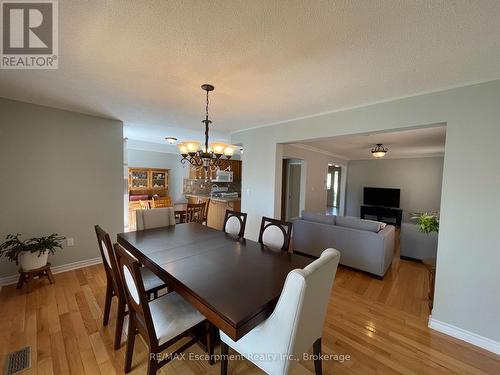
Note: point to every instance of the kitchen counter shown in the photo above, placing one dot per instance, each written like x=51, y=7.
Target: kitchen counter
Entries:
x=217, y=208
x=216, y=199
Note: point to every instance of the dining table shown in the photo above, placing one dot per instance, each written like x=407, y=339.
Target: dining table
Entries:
x=235, y=283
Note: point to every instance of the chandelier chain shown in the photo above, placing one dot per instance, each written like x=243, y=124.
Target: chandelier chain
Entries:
x=206, y=107
x=205, y=157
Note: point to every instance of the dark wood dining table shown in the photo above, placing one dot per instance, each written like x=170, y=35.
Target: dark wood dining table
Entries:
x=234, y=283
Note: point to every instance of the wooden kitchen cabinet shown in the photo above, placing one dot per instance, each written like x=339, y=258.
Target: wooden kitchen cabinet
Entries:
x=217, y=211
x=148, y=181
x=235, y=167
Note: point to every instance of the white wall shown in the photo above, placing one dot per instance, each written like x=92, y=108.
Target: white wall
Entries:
x=154, y=159
x=60, y=172
x=315, y=168
x=419, y=179
x=469, y=250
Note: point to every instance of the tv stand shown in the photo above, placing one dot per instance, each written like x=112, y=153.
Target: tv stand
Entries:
x=383, y=214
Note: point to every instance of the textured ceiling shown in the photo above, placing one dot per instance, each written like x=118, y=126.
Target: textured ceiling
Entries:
x=423, y=142
x=143, y=61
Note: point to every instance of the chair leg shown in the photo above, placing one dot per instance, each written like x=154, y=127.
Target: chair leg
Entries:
x=224, y=351
x=120, y=316
x=317, y=357
x=130, y=343
x=210, y=343
x=152, y=365
x=107, y=303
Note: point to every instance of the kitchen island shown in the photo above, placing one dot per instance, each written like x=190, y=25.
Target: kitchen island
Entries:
x=221, y=189
x=217, y=207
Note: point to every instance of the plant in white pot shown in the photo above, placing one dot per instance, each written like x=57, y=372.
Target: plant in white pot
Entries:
x=32, y=253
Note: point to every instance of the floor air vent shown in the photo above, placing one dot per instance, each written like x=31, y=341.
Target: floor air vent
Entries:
x=18, y=361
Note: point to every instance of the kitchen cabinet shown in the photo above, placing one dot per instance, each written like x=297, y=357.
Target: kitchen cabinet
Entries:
x=235, y=167
x=217, y=211
x=148, y=181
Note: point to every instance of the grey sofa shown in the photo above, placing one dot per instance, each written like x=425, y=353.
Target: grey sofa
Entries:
x=366, y=250
x=415, y=244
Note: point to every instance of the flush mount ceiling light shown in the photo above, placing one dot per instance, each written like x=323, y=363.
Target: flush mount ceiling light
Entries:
x=379, y=151
x=171, y=140
x=207, y=156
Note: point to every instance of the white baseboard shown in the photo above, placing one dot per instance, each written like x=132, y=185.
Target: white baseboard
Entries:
x=12, y=279
x=462, y=334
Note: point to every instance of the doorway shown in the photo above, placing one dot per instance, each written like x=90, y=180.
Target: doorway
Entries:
x=291, y=189
x=333, y=189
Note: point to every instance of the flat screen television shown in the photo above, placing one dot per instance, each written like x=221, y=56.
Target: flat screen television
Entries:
x=381, y=197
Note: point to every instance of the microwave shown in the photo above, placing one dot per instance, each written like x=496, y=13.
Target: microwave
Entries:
x=223, y=176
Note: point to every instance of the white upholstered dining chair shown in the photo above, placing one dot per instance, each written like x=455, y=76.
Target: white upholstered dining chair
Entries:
x=155, y=218
x=296, y=323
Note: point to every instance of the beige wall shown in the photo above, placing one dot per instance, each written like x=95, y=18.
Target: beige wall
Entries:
x=60, y=172
x=419, y=179
x=469, y=251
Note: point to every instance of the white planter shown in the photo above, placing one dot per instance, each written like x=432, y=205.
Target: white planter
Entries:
x=31, y=261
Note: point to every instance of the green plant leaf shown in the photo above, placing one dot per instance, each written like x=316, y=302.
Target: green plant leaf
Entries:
x=426, y=222
x=13, y=245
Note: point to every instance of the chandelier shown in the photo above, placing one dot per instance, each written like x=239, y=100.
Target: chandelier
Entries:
x=379, y=151
x=208, y=155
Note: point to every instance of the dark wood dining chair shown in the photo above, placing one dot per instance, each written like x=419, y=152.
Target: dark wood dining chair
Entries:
x=235, y=223
x=114, y=286
x=195, y=212
x=205, y=214
x=275, y=233
x=161, y=322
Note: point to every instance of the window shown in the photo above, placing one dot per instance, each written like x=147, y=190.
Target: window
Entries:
x=329, y=181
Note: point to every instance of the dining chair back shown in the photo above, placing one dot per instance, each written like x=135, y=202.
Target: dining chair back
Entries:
x=106, y=250
x=114, y=287
x=134, y=288
x=162, y=202
x=161, y=322
x=205, y=213
x=195, y=212
x=296, y=322
x=234, y=223
x=275, y=233
x=154, y=218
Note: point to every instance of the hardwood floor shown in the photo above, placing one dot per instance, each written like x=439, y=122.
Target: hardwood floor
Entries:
x=380, y=324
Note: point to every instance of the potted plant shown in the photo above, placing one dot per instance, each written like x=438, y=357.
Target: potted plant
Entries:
x=32, y=253
x=427, y=222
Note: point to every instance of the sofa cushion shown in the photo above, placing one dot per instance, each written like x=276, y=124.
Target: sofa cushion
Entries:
x=361, y=224
x=318, y=218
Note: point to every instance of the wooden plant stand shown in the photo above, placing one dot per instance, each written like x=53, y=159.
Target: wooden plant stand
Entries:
x=28, y=276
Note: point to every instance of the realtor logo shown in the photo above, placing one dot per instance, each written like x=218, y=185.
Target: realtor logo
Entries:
x=29, y=34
